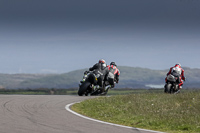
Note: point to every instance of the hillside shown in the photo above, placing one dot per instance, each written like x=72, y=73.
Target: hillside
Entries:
x=131, y=77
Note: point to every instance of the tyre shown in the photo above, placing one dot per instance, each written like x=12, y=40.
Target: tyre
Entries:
x=168, y=88
x=165, y=89
x=83, y=88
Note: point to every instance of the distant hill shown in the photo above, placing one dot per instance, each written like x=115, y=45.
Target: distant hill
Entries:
x=130, y=77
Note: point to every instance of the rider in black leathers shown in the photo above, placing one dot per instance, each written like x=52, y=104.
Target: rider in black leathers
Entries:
x=101, y=71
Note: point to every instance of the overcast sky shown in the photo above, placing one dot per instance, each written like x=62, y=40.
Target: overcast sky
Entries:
x=39, y=36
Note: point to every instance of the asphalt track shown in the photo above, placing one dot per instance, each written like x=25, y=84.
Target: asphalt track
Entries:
x=47, y=114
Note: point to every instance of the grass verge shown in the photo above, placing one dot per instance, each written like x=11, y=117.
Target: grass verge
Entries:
x=156, y=111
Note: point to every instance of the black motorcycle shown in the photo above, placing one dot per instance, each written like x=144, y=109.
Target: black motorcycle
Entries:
x=87, y=85
x=172, y=84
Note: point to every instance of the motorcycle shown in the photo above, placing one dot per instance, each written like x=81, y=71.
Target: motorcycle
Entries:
x=87, y=85
x=172, y=84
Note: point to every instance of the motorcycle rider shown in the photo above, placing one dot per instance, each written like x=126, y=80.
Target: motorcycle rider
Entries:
x=113, y=75
x=177, y=71
x=100, y=70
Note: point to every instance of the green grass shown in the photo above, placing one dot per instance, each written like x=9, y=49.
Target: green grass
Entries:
x=156, y=111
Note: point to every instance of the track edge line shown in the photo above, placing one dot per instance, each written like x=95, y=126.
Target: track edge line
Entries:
x=67, y=107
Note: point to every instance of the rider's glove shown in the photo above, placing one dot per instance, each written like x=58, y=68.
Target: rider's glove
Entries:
x=85, y=72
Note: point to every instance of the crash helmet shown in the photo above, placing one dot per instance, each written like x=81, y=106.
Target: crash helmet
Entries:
x=102, y=61
x=113, y=63
x=178, y=64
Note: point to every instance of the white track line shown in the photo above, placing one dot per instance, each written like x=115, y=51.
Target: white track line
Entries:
x=67, y=107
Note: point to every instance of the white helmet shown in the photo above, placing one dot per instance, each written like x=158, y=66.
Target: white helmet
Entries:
x=178, y=64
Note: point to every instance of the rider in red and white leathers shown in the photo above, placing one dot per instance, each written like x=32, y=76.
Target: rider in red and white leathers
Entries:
x=113, y=75
x=177, y=71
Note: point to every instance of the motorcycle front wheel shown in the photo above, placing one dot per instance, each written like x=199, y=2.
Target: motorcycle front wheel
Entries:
x=83, y=88
x=168, y=88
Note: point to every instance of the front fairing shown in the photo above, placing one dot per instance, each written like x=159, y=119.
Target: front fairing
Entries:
x=92, y=78
x=171, y=79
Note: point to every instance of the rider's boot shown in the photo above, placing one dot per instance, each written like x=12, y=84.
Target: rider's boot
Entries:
x=95, y=87
x=179, y=89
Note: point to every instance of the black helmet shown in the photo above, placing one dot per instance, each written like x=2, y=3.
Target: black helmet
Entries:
x=113, y=63
x=102, y=61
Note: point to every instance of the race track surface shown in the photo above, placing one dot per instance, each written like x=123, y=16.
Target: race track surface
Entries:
x=47, y=114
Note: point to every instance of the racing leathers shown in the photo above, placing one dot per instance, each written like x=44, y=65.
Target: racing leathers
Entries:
x=177, y=71
x=113, y=75
x=100, y=70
